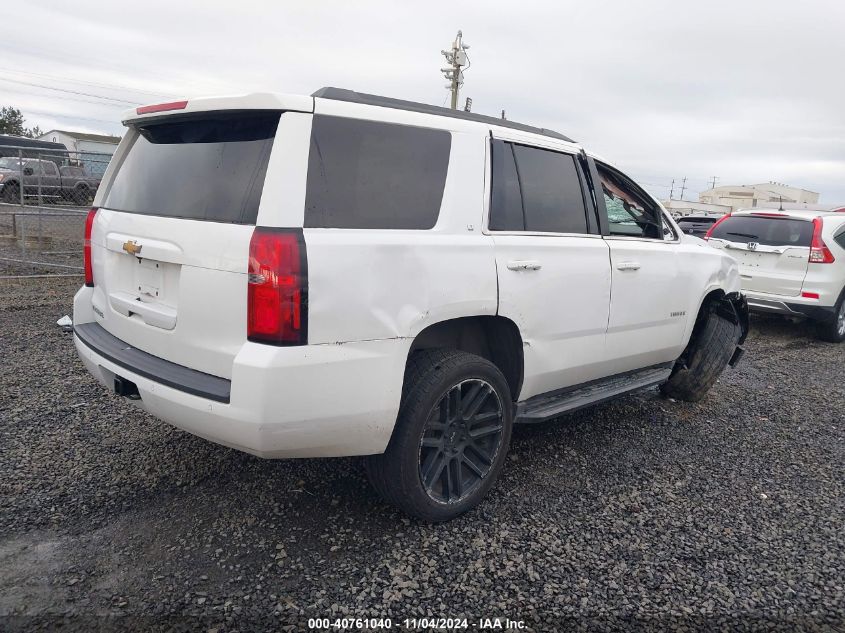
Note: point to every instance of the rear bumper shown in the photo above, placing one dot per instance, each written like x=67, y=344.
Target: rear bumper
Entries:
x=308, y=401
x=111, y=348
x=790, y=306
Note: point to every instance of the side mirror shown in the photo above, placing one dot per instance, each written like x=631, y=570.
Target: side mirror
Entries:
x=27, y=171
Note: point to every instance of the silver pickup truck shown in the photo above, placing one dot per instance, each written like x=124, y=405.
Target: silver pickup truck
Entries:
x=44, y=180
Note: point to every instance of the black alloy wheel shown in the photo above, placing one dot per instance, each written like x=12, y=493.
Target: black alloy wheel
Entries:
x=460, y=441
x=451, y=436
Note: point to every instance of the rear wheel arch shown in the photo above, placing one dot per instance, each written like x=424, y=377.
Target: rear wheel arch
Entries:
x=494, y=338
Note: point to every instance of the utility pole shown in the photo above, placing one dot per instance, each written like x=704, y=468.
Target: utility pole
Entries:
x=713, y=182
x=683, y=187
x=672, y=190
x=457, y=59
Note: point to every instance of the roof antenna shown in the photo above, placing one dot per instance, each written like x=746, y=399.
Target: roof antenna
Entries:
x=780, y=208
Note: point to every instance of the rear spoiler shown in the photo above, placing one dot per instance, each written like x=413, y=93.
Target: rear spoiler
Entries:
x=254, y=101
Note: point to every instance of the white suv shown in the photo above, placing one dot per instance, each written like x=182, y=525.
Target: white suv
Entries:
x=791, y=263
x=344, y=274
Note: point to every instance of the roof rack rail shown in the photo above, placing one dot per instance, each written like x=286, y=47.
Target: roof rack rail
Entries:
x=342, y=94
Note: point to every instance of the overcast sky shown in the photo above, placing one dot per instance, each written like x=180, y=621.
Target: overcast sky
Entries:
x=744, y=90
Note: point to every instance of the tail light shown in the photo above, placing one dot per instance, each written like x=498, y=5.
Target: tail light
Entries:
x=277, y=287
x=819, y=252
x=86, y=248
x=715, y=224
x=162, y=107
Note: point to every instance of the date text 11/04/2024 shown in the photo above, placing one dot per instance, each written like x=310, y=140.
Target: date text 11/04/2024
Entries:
x=418, y=624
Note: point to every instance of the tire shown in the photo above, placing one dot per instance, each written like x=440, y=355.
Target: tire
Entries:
x=833, y=330
x=712, y=344
x=80, y=196
x=432, y=450
x=11, y=193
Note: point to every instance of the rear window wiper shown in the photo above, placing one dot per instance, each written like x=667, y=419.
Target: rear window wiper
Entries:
x=748, y=235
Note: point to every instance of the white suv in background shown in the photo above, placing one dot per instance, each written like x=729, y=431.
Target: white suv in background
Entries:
x=791, y=263
x=345, y=274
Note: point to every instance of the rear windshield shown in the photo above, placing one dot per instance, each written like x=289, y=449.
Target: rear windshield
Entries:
x=202, y=168
x=768, y=231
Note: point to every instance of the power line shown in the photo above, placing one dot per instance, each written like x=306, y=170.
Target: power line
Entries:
x=87, y=83
x=69, y=91
x=69, y=116
x=76, y=99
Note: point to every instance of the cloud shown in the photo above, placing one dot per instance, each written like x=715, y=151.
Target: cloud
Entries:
x=746, y=91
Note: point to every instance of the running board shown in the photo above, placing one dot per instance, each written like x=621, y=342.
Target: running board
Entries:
x=551, y=405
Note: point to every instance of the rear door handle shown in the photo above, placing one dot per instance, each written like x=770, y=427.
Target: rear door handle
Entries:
x=528, y=264
x=628, y=266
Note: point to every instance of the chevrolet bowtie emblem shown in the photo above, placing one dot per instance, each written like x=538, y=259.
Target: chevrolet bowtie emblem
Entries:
x=133, y=248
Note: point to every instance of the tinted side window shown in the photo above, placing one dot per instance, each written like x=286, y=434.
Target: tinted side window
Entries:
x=551, y=191
x=629, y=212
x=535, y=190
x=506, y=199
x=840, y=239
x=371, y=175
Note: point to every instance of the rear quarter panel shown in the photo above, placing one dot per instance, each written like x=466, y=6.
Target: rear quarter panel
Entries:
x=386, y=284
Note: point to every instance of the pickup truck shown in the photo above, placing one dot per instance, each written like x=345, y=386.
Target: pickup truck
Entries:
x=45, y=180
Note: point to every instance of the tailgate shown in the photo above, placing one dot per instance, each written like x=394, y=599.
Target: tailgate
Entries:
x=181, y=296
x=772, y=251
x=170, y=243
x=771, y=269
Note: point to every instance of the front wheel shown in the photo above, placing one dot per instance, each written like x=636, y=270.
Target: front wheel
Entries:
x=451, y=436
x=713, y=342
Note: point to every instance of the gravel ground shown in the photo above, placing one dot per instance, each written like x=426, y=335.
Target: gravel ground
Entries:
x=645, y=513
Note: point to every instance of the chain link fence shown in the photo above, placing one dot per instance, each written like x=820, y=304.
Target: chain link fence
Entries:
x=44, y=199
